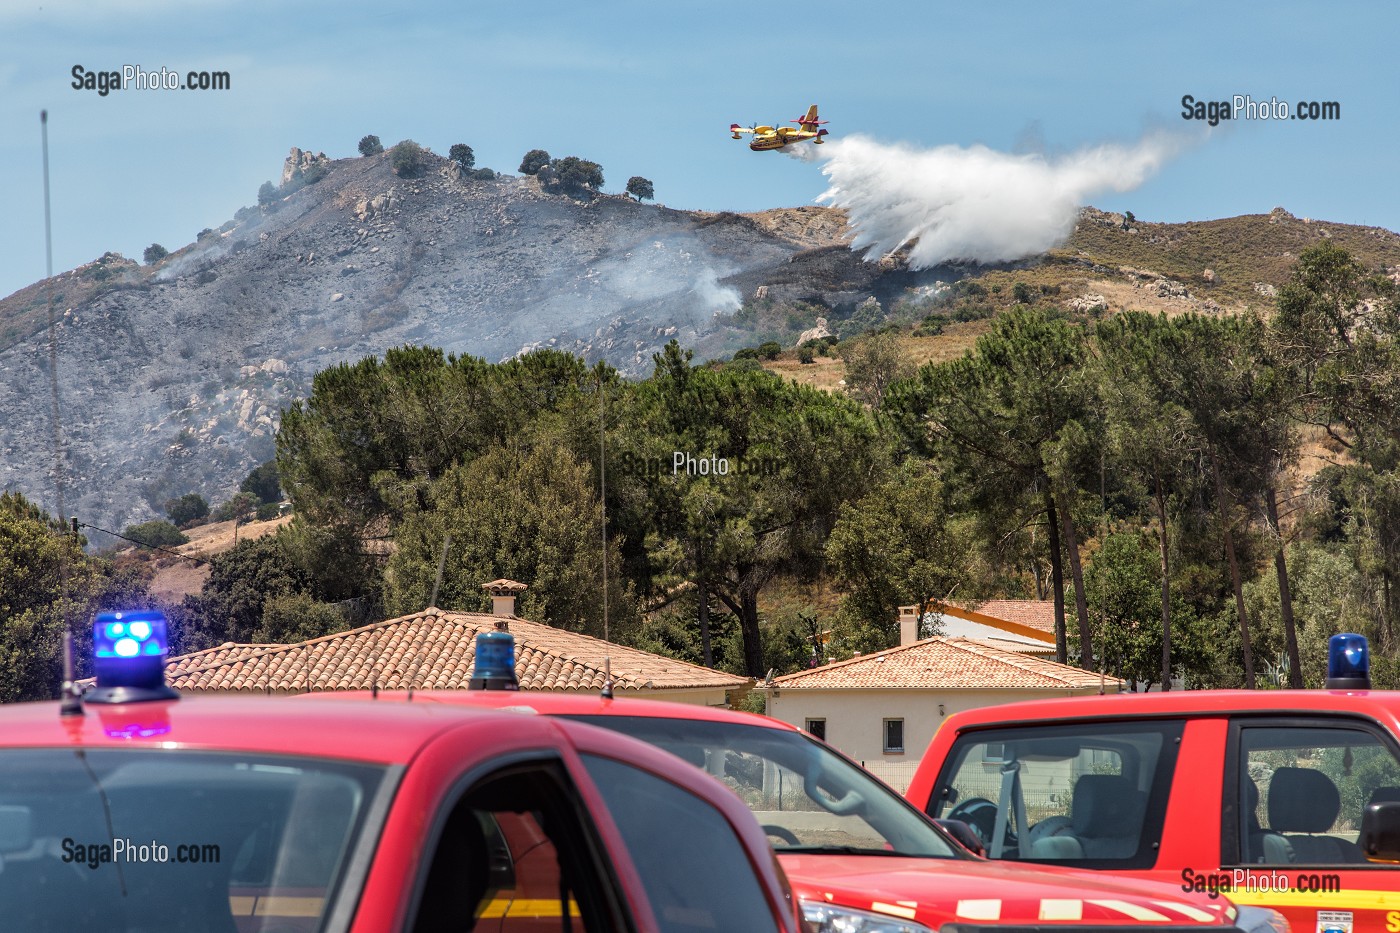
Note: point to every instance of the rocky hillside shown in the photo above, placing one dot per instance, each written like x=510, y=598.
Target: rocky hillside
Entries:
x=172, y=376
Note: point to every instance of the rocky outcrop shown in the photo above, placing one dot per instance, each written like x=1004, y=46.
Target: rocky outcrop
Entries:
x=299, y=161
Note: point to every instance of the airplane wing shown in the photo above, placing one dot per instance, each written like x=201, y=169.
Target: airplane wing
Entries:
x=736, y=129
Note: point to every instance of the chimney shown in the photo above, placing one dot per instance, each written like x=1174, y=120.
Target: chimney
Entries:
x=908, y=625
x=503, y=593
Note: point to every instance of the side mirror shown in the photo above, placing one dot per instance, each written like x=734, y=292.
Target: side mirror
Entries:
x=964, y=835
x=1380, y=832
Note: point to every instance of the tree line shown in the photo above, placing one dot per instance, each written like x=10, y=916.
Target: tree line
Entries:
x=1200, y=496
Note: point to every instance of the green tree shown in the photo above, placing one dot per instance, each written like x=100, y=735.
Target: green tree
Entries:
x=242, y=581
x=268, y=196
x=792, y=456
x=408, y=159
x=240, y=506
x=263, y=483
x=48, y=583
x=297, y=617
x=1011, y=421
x=873, y=364
x=462, y=154
x=186, y=510
x=527, y=512
x=640, y=188
x=370, y=145
x=534, y=160
x=158, y=533
x=900, y=545
x=576, y=175
x=154, y=254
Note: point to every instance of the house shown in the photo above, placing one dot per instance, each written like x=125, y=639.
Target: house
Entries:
x=435, y=650
x=882, y=709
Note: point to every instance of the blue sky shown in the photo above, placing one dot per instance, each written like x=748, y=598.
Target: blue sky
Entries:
x=648, y=89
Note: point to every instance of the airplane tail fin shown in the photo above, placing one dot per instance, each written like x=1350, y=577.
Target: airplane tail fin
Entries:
x=810, y=121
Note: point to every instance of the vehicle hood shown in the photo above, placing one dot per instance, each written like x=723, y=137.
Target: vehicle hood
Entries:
x=937, y=891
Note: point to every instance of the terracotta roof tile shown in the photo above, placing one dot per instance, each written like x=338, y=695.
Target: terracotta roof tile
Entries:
x=945, y=663
x=1032, y=613
x=432, y=650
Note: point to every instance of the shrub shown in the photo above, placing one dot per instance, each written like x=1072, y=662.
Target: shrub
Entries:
x=370, y=145
x=267, y=195
x=186, y=510
x=747, y=353
x=534, y=160
x=154, y=254
x=408, y=159
x=314, y=173
x=805, y=353
x=484, y=174
x=1022, y=292
x=769, y=350
x=745, y=365
x=240, y=506
x=159, y=533
x=575, y=174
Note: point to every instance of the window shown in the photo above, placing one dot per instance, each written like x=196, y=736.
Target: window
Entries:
x=510, y=857
x=1089, y=793
x=222, y=833
x=817, y=728
x=894, y=735
x=1304, y=788
x=705, y=883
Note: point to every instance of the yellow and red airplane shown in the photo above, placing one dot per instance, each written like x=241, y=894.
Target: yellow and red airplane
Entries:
x=768, y=137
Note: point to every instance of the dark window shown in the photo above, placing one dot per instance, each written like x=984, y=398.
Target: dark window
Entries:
x=817, y=728
x=511, y=857
x=160, y=840
x=1092, y=794
x=695, y=870
x=894, y=735
x=1304, y=787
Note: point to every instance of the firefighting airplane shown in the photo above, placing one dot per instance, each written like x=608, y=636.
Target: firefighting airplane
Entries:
x=768, y=137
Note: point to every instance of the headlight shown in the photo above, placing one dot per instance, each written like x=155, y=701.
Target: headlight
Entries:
x=833, y=918
x=1261, y=920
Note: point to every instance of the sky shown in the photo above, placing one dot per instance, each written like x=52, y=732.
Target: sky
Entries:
x=650, y=89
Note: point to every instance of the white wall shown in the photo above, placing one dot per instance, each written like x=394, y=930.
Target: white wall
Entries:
x=855, y=718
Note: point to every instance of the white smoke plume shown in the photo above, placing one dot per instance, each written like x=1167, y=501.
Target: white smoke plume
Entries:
x=975, y=203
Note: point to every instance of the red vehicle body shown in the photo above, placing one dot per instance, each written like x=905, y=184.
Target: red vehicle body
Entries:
x=1258, y=795
x=928, y=892
x=239, y=815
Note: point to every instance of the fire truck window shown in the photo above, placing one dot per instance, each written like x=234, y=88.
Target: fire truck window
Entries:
x=1304, y=789
x=1092, y=794
x=510, y=859
x=695, y=870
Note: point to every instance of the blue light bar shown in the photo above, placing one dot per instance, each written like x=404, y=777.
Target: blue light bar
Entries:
x=128, y=650
x=494, y=668
x=1348, y=662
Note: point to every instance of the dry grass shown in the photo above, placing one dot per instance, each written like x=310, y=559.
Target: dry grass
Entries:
x=176, y=579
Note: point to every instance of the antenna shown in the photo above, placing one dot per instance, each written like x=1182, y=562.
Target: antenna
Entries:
x=603, y=507
x=71, y=701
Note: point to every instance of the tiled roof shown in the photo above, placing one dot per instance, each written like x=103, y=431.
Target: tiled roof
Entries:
x=1037, y=614
x=945, y=664
x=433, y=649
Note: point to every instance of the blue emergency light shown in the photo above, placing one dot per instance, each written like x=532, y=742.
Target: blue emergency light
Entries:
x=128, y=653
x=495, y=662
x=1348, y=662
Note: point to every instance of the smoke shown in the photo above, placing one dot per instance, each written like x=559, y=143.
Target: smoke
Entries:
x=976, y=204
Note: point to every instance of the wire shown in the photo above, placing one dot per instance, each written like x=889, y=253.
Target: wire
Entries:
x=153, y=547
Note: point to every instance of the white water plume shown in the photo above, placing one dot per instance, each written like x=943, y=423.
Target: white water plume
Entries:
x=975, y=203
